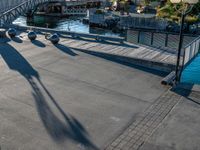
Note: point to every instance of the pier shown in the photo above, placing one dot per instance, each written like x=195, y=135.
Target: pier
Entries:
x=83, y=94
x=92, y=92
x=116, y=47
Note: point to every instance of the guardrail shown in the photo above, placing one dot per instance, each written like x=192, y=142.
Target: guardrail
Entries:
x=79, y=11
x=71, y=34
x=162, y=40
x=6, y=5
x=8, y=16
x=190, y=51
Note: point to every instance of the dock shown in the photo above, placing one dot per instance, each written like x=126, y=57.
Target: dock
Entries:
x=75, y=95
x=146, y=56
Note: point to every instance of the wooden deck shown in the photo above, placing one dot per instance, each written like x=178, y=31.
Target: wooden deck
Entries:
x=124, y=50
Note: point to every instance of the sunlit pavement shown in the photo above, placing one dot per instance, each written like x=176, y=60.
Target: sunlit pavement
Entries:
x=65, y=99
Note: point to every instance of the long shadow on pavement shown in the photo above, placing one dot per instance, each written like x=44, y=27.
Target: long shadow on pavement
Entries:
x=112, y=58
x=65, y=49
x=59, y=130
x=104, y=42
x=17, y=39
x=186, y=90
x=38, y=43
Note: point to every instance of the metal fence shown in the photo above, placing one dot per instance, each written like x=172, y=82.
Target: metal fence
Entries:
x=162, y=40
x=142, y=22
x=191, y=51
x=70, y=34
x=5, y=5
x=15, y=10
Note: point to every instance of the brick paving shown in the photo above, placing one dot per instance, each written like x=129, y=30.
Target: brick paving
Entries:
x=140, y=130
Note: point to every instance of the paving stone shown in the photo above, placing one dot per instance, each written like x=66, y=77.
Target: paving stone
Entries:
x=139, y=132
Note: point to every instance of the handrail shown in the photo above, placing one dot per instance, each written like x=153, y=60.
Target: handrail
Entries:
x=10, y=10
x=192, y=42
x=17, y=10
x=72, y=34
x=193, y=52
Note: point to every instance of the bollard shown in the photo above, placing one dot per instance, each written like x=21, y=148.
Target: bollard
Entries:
x=12, y=32
x=32, y=35
x=54, y=38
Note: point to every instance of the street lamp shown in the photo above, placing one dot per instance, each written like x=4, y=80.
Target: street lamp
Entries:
x=185, y=11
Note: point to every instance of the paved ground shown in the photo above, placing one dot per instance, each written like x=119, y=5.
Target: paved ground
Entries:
x=180, y=129
x=53, y=97
x=126, y=49
x=139, y=131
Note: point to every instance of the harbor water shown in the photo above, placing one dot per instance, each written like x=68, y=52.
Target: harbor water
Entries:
x=73, y=24
x=191, y=74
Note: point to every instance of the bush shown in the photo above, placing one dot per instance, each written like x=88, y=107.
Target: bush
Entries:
x=99, y=11
x=191, y=19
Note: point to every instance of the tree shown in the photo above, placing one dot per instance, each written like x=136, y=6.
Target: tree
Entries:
x=173, y=13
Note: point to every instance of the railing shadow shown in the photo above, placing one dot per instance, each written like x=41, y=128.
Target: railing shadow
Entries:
x=106, y=42
x=121, y=61
x=59, y=129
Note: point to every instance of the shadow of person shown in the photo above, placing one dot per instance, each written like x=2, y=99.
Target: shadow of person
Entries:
x=70, y=128
x=65, y=49
x=38, y=43
x=59, y=130
x=5, y=40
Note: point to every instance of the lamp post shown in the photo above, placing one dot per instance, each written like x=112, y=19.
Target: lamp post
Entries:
x=185, y=11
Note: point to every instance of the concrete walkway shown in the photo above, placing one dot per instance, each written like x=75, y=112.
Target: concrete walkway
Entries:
x=162, y=60
x=180, y=129
x=57, y=97
x=138, y=133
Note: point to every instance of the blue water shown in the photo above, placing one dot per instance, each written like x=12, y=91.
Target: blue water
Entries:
x=191, y=74
x=73, y=24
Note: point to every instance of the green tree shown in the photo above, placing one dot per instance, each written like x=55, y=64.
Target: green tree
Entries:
x=173, y=12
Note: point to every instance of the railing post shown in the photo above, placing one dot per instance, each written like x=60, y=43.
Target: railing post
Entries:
x=166, y=39
x=138, y=37
x=152, y=36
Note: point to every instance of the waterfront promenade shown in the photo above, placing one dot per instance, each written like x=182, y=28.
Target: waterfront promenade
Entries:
x=68, y=96
x=159, y=59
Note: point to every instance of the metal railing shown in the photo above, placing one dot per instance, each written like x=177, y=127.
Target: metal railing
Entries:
x=78, y=11
x=6, y=5
x=71, y=34
x=162, y=40
x=191, y=51
x=142, y=22
x=10, y=15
